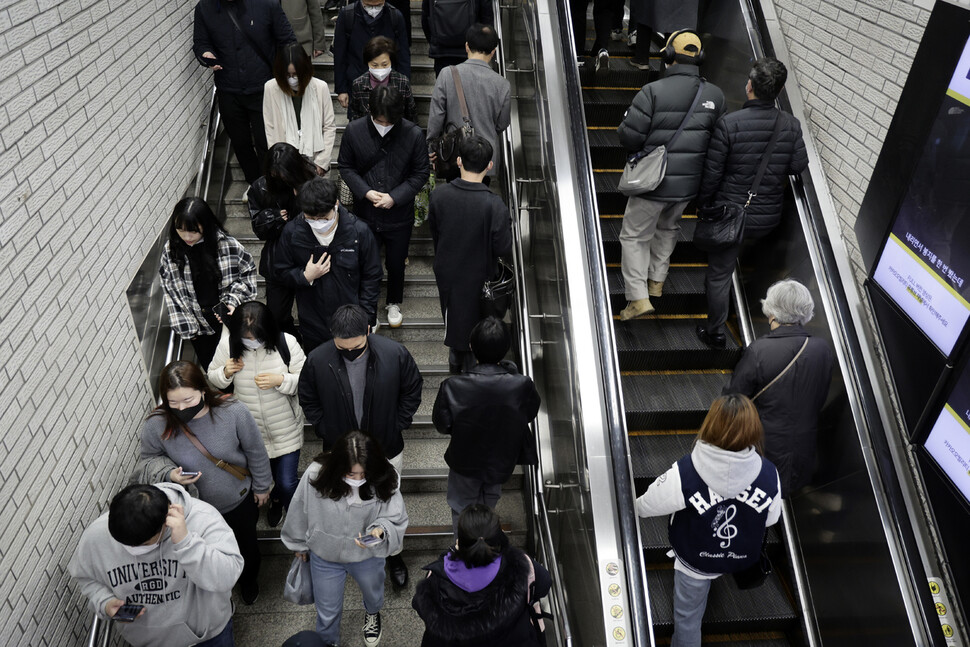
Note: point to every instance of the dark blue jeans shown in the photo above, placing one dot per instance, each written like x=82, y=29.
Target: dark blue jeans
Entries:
x=284, y=475
x=224, y=639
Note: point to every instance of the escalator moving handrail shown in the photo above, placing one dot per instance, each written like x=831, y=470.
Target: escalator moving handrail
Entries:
x=540, y=512
x=629, y=527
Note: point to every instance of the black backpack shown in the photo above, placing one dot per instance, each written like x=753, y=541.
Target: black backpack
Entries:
x=450, y=20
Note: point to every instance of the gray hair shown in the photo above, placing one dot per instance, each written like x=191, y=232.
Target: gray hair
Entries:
x=789, y=302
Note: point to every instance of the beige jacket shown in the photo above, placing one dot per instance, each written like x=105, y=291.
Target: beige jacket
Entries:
x=307, y=21
x=317, y=129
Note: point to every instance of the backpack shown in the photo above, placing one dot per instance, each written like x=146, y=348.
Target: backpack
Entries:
x=283, y=349
x=450, y=20
x=347, y=10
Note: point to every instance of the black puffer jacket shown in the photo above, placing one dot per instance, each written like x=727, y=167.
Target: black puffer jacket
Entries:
x=396, y=164
x=267, y=221
x=789, y=408
x=737, y=147
x=496, y=615
x=653, y=118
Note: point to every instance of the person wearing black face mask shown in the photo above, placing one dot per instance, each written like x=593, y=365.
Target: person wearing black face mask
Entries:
x=360, y=381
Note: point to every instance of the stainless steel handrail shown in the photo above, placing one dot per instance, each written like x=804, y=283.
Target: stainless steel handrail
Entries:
x=521, y=300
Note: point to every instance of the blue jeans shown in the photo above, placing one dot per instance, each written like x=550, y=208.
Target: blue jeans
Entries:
x=224, y=639
x=284, y=476
x=328, y=590
x=690, y=601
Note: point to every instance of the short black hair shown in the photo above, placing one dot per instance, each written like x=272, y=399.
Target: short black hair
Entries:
x=490, y=340
x=386, y=102
x=318, y=196
x=349, y=321
x=481, y=38
x=475, y=153
x=137, y=514
x=381, y=45
x=768, y=76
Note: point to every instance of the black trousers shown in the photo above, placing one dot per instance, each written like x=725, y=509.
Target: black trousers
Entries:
x=242, y=519
x=603, y=18
x=242, y=115
x=205, y=345
x=404, y=6
x=717, y=281
x=442, y=62
x=396, y=243
x=279, y=300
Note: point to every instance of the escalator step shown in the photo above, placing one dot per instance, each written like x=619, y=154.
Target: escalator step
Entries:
x=608, y=197
x=620, y=76
x=652, y=455
x=669, y=401
x=606, y=107
x=683, y=291
x=668, y=344
x=653, y=539
x=728, y=608
x=683, y=252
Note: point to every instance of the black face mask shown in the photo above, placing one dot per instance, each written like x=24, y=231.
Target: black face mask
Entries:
x=187, y=414
x=350, y=354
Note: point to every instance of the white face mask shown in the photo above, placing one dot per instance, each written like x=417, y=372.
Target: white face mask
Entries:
x=374, y=11
x=252, y=344
x=354, y=482
x=322, y=226
x=383, y=130
x=294, y=83
x=380, y=73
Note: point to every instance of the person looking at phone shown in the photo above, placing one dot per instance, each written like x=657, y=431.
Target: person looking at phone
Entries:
x=202, y=431
x=161, y=565
x=205, y=274
x=346, y=517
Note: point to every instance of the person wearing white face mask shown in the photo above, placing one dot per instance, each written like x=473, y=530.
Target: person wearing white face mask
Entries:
x=189, y=552
x=297, y=108
x=346, y=517
x=380, y=54
x=263, y=364
x=330, y=258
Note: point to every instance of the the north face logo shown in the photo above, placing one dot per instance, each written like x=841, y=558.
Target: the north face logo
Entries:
x=709, y=105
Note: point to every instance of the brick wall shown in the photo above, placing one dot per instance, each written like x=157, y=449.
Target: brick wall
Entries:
x=100, y=111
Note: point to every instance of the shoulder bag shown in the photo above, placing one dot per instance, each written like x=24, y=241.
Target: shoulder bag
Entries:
x=445, y=146
x=497, y=291
x=784, y=370
x=239, y=472
x=721, y=224
x=755, y=575
x=249, y=39
x=645, y=169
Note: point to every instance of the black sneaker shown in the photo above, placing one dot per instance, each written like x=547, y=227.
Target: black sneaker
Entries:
x=275, y=514
x=398, y=571
x=372, y=629
x=249, y=592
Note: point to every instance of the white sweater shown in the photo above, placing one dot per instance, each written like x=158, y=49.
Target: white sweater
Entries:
x=277, y=411
x=318, y=128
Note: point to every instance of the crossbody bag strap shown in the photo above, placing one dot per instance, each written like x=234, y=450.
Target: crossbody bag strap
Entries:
x=764, y=160
x=461, y=95
x=249, y=39
x=239, y=472
x=693, y=107
x=779, y=376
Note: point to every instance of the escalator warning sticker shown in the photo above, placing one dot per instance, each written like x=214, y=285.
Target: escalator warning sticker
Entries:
x=940, y=608
x=619, y=633
x=934, y=588
x=614, y=590
x=616, y=611
x=947, y=631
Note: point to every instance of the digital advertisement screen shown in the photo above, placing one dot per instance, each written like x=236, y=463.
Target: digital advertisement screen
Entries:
x=949, y=440
x=925, y=264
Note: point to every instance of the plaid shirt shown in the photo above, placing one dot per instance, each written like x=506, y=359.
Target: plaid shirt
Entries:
x=238, y=284
x=360, y=96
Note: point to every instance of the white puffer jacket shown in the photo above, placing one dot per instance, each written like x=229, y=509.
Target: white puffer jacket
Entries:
x=277, y=411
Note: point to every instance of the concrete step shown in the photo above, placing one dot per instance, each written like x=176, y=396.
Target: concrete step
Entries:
x=421, y=428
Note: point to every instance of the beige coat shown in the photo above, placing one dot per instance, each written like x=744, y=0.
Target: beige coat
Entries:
x=277, y=411
x=275, y=101
x=307, y=21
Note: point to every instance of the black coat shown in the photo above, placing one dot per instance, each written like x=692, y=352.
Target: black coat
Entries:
x=354, y=277
x=391, y=396
x=268, y=223
x=348, y=53
x=737, y=148
x=654, y=117
x=467, y=220
x=496, y=615
x=396, y=164
x=483, y=13
x=243, y=70
x=487, y=412
x=789, y=408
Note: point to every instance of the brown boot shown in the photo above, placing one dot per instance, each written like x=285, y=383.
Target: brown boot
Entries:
x=655, y=288
x=636, y=309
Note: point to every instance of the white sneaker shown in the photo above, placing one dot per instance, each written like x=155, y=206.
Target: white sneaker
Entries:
x=245, y=197
x=376, y=326
x=394, y=316
x=631, y=38
x=602, y=61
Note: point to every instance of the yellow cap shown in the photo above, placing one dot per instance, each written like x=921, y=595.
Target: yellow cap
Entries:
x=682, y=40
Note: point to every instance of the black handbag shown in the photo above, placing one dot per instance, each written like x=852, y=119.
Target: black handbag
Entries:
x=721, y=224
x=755, y=575
x=497, y=293
x=445, y=146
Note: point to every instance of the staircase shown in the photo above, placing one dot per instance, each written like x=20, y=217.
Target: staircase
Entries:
x=669, y=378
x=269, y=621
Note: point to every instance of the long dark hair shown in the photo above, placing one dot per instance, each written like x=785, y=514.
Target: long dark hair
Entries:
x=176, y=375
x=480, y=536
x=256, y=319
x=285, y=170
x=355, y=448
x=302, y=65
x=193, y=214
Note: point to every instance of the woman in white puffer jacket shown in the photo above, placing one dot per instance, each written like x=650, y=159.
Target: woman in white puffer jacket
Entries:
x=250, y=357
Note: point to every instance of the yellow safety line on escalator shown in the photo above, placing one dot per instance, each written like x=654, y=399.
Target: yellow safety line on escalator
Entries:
x=663, y=432
x=671, y=265
x=614, y=216
x=699, y=371
x=654, y=316
x=611, y=87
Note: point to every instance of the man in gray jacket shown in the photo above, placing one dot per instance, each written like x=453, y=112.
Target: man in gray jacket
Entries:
x=171, y=556
x=651, y=221
x=488, y=94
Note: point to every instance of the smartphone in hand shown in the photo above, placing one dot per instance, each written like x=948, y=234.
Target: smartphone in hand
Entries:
x=210, y=62
x=221, y=310
x=190, y=474
x=370, y=540
x=128, y=612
